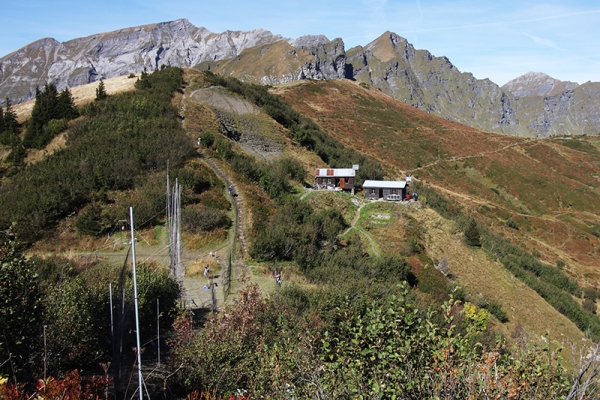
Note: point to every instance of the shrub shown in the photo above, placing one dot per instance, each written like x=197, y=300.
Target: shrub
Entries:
x=206, y=139
x=589, y=305
x=198, y=218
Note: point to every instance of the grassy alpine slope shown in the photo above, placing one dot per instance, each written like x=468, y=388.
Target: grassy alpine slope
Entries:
x=348, y=326
x=548, y=187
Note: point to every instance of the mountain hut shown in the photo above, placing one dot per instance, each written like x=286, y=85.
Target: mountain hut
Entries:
x=334, y=178
x=388, y=190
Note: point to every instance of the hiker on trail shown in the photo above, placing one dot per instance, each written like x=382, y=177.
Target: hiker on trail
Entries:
x=206, y=269
x=278, y=278
x=231, y=190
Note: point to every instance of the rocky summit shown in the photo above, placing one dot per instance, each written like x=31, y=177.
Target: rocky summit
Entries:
x=534, y=104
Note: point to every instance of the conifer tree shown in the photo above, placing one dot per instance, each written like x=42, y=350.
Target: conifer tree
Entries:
x=66, y=105
x=10, y=118
x=49, y=105
x=143, y=82
x=9, y=134
x=472, y=234
x=101, y=91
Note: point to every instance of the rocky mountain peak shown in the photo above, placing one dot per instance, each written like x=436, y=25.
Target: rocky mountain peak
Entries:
x=309, y=41
x=535, y=84
x=121, y=52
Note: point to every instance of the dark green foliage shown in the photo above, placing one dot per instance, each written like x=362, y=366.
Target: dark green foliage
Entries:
x=154, y=283
x=90, y=221
x=199, y=218
x=591, y=293
x=511, y=223
x=297, y=232
x=76, y=313
x=54, y=270
x=143, y=82
x=20, y=308
x=589, y=305
x=77, y=309
x=303, y=129
x=8, y=126
x=273, y=177
x=193, y=179
x=444, y=207
x=120, y=139
x=493, y=307
x=472, y=236
x=66, y=106
x=49, y=105
x=17, y=154
x=101, y=91
x=206, y=139
x=292, y=168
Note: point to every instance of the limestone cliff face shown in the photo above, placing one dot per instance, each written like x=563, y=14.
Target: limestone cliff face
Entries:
x=106, y=55
x=285, y=61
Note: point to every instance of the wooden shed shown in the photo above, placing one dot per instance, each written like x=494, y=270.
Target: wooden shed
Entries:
x=332, y=178
x=387, y=190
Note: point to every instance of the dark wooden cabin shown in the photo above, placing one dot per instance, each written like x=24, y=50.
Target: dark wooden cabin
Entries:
x=387, y=190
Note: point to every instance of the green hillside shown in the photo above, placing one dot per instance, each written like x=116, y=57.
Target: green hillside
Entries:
x=459, y=295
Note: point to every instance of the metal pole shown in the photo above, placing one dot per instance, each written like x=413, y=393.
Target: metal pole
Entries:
x=158, y=328
x=137, y=316
x=112, y=332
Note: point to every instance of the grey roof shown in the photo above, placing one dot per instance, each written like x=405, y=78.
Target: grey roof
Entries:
x=384, y=184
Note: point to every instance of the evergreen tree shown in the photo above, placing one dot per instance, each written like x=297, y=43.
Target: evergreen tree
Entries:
x=143, y=82
x=101, y=91
x=472, y=234
x=49, y=105
x=10, y=118
x=66, y=105
x=17, y=154
x=9, y=134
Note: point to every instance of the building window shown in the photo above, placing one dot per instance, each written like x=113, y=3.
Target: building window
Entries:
x=372, y=190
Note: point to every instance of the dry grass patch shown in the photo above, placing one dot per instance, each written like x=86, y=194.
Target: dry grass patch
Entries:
x=82, y=94
x=196, y=267
x=199, y=241
x=473, y=269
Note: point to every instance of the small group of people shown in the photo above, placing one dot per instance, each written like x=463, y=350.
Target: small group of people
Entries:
x=414, y=196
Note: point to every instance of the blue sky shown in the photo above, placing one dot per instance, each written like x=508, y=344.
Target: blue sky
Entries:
x=496, y=39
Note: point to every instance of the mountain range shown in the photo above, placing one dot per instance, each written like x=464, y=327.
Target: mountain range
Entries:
x=533, y=105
